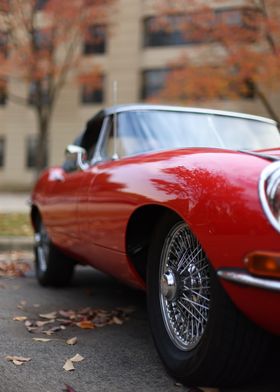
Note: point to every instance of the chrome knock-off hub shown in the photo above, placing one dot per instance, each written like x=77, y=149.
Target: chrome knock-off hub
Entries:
x=168, y=285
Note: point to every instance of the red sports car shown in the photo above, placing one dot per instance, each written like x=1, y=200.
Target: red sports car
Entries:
x=185, y=204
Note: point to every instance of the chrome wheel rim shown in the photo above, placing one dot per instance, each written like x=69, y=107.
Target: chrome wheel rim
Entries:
x=184, y=288
x=42, y=244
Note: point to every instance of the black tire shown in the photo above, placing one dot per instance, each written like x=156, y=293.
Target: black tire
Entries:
x=228, y=349
x=52, y=267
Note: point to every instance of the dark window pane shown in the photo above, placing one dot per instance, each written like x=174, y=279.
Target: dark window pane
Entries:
x=153, y=82
x=31, y=147
x=164, y=33
x=193, y=28
x=3, y=92
x=93, y=94
x=95, y=40
x=42, y=40
x=3, y=44
x=40, y=4
x=34, y=92
x=2, y=151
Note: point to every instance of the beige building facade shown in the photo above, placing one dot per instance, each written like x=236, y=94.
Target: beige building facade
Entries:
x=137, y=64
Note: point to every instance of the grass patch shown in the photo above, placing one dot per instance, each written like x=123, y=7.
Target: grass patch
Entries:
x=15, y=224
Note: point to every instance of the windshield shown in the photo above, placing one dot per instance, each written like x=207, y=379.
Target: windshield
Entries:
x=142, y=131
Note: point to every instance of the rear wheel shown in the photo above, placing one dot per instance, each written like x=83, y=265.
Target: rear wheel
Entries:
x=200, y=335
x=52, y=267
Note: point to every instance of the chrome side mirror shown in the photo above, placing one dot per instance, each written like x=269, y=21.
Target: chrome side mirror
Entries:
x=78, y=156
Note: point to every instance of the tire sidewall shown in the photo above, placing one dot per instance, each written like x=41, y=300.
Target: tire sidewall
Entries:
x=178, y=362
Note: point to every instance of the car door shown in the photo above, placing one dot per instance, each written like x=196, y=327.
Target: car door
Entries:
x=109, y=205
x=67, y=193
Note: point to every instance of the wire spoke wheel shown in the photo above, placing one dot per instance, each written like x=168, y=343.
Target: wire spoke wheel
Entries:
x=184, y=287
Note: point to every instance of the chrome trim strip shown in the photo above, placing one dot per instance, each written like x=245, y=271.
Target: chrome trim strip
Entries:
x=267, y=171
x=133, y=107
x=272, y=158
x=243, y=278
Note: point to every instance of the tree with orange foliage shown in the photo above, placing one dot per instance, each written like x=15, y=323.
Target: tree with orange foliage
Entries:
x=241, y=55
x=43, y=41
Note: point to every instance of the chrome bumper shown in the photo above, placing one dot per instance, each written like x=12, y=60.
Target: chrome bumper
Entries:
x=243, y=278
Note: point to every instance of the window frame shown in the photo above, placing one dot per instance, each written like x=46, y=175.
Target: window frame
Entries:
x=3, y=150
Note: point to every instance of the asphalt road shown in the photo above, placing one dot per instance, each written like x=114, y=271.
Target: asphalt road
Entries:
x=117, y=357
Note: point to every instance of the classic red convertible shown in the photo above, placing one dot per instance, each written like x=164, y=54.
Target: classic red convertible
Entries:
x=184, y=203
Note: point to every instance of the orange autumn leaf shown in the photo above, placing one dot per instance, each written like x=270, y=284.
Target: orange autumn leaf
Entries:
x=86, y=324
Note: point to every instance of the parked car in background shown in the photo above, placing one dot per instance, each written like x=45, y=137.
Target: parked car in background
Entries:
x=185, y=204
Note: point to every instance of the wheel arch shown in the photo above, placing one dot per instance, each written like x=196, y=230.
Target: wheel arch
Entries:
x=139, y=234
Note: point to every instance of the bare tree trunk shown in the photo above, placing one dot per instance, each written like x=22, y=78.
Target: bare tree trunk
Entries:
x=264, y=100
x=42, y=151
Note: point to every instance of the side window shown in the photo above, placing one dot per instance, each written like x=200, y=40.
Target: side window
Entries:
x=107, y=147
x=88, y=140
x=91, y=136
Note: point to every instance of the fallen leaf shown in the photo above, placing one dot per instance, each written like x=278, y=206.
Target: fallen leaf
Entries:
x=18, y=363
x=68, y=366
x=42, y=339
x=67, y=313
x=77, y=358
x=28, y=323
x=117, y=320
x=72, y=341
x=19, y=318
x=42, y=323
x=49, y=316
x=48, y=332
x=86, y=324
x=64, y=321
x=17, y=360
x=57, y=328
x=13, y=268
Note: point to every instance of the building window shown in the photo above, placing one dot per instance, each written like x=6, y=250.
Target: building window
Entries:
x=40, y=4
x=33, y=93
x=153, y=81
x=31, y=149
x=95, y=40
x=2, y=151
x=42, y=40
x=93, y=94
x=164, y=32
x=193, y=28
x=3, y=44
x=3, y=92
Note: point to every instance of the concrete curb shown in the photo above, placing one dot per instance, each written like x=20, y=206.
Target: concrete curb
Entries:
x=16, y=243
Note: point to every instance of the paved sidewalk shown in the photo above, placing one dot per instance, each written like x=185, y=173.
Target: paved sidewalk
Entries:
x=14, y=202
x=16, y=243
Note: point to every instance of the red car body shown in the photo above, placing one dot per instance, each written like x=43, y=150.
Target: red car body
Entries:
x=95, y=215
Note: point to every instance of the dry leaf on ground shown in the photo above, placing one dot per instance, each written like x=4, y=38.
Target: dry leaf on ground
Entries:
x=17, y=360
x=85, y=324
x=19, y=318
x=49, y=316
x=42, y=323
x=13, y=268
x=41, y=339
x=77, y=358
x=86, y=318
x=68, y=366
x=72, y=341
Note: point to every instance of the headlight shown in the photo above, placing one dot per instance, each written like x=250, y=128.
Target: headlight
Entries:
x=269, y=190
